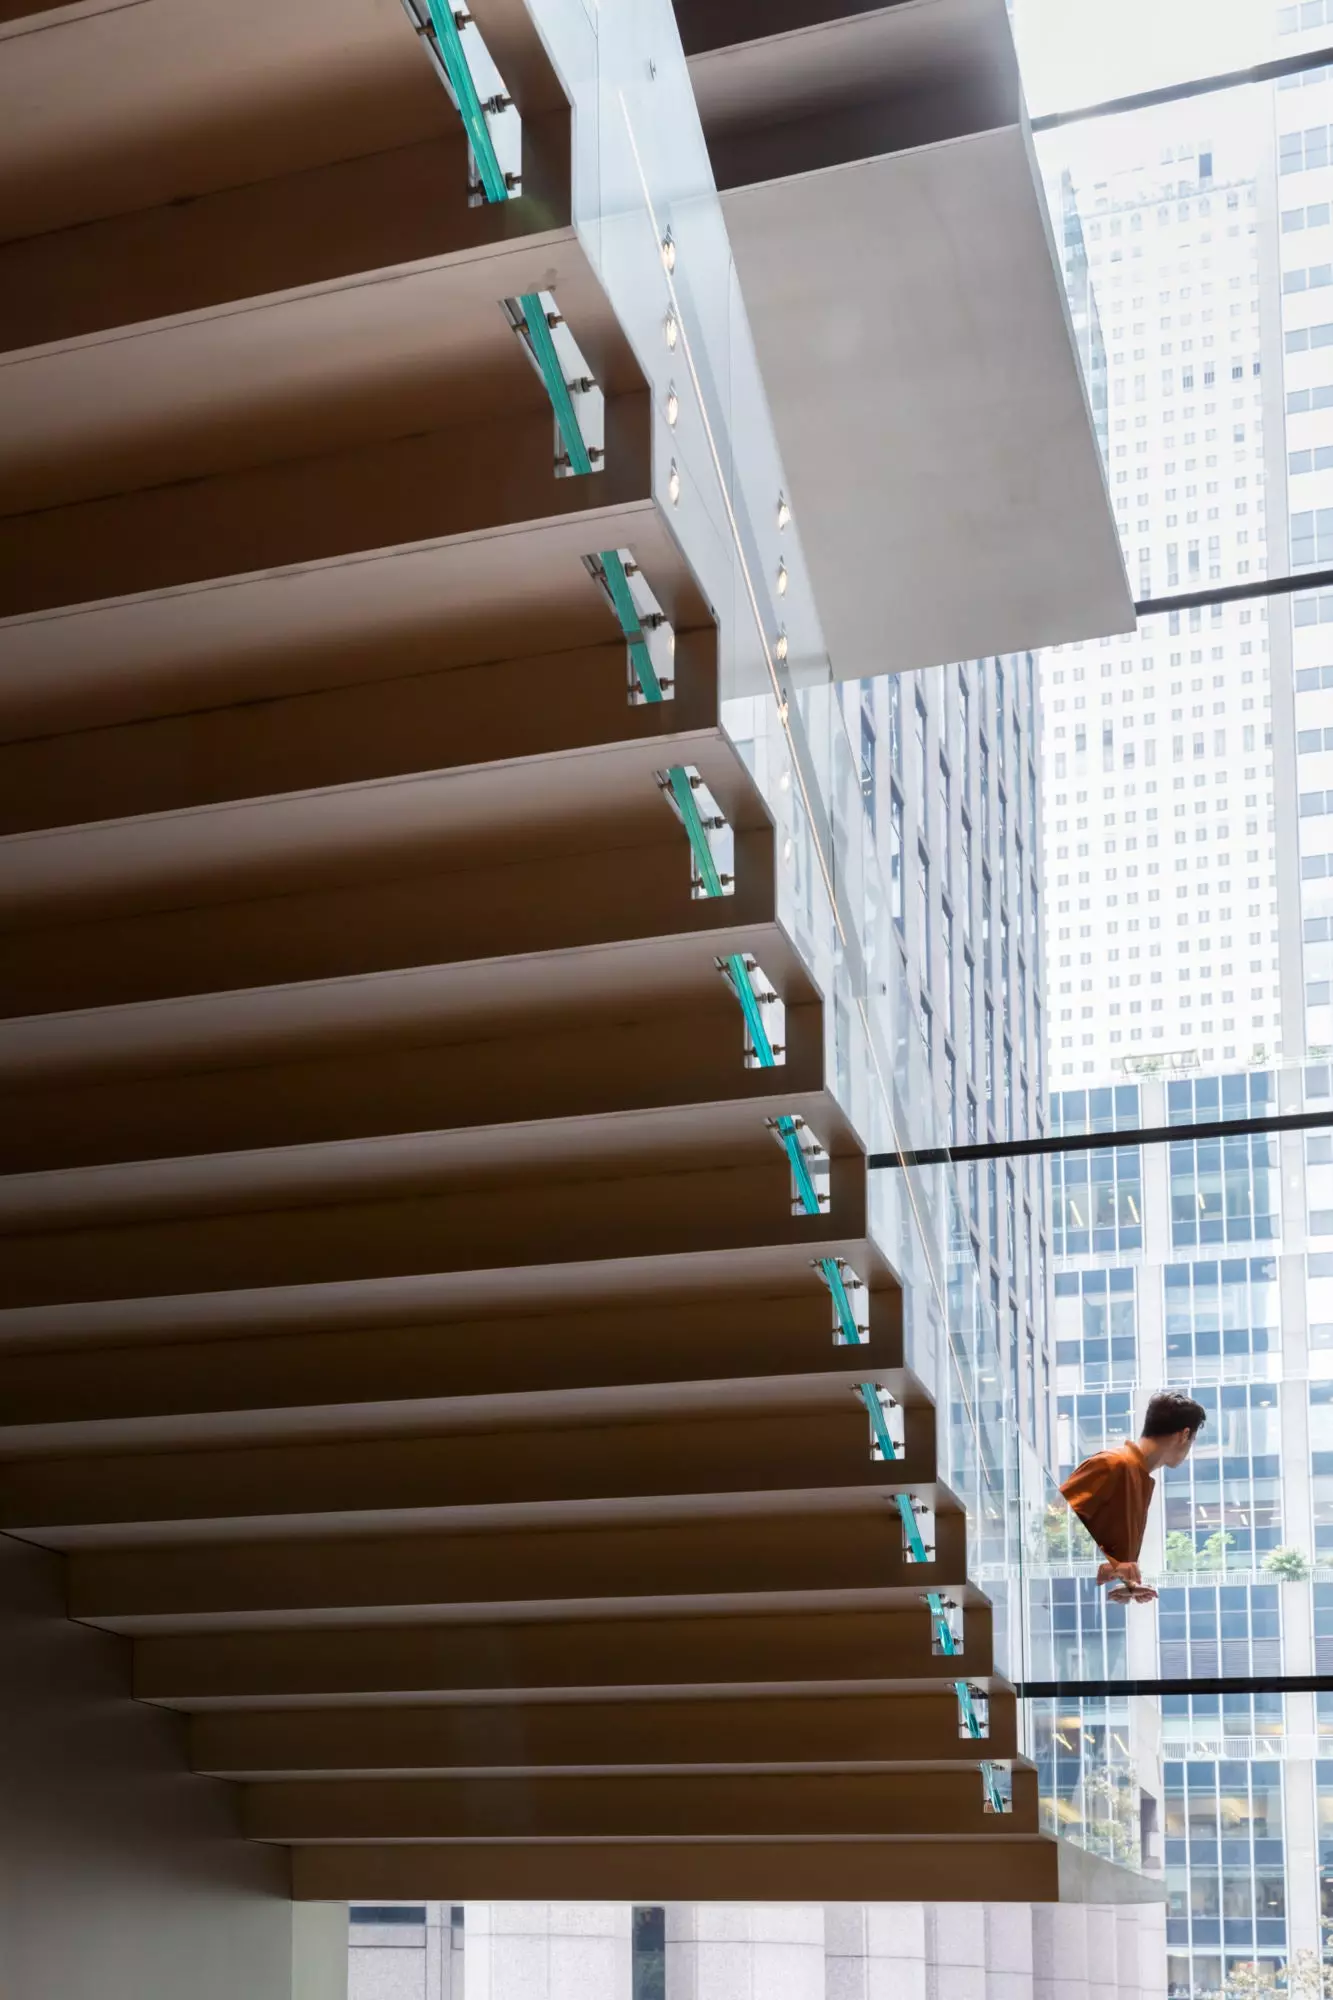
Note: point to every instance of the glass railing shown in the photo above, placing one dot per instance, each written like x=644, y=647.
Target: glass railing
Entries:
x=650, y=221
x=1097, y=1757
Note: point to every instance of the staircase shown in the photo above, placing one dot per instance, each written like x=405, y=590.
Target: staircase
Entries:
x=439, y=1324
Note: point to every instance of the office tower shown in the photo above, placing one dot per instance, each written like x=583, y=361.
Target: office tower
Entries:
x=1160, y=876
x=1200, y=1263
x=949, y=773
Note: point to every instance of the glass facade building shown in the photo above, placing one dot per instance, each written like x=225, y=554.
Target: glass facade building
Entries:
x=949, y=774
x=1185, y=899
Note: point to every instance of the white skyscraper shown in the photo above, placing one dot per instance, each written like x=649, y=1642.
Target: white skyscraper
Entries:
x=1159, y=879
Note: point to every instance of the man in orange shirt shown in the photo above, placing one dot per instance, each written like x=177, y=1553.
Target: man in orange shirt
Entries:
x=1112, y=1491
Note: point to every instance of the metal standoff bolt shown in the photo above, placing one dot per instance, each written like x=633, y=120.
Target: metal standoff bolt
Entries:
x=462, y=20
x=580, y=385
x=554, y=319
x=779, y=1048
x=724, y=879
x=497, y=103
x=513, y=180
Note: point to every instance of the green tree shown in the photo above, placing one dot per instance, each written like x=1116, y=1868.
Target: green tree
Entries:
x=1213, y=1554
x=1063, y=1537
x=1110, y=1814
x=1180, y=1551
x=1289, y=1563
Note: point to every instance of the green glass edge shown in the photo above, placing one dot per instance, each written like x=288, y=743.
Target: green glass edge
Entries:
x=910, y=1528
x=683, y=793
x=627, y=612
x=833, y=1278
x=543, y=348
x=738, y=977
x=805, y=1187
x=942, y=1630
x=875, y=1411
x=493, y=183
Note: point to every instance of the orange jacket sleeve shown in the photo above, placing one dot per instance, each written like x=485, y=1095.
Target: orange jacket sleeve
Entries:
x=1100, y=1491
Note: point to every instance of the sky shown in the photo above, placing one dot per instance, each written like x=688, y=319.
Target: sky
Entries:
x=1080, y=51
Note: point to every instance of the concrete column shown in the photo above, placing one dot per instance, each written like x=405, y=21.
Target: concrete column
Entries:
x=1127, y=1952
x=1059, y=1952
x=728, y=1951
x=1152, y=1951
x=1303, y=1918
x=846, y=1951
x=437, y=1944
x=955, y=1951
x=1103, y=1947
x=875, y=1951
x=546, y=1951
x=443, y=1982
x=1009, y=1951
x=385, y=1961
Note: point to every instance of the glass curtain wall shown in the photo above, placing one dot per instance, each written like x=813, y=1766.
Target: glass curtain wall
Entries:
x=1188, y=922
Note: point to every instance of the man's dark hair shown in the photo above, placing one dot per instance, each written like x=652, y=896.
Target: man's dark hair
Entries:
x=1171, y=1412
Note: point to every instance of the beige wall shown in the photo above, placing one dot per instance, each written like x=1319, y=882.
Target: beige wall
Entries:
x=121, y=1876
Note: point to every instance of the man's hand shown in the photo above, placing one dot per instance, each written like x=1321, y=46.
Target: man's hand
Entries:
x=1129, y=1585
x=1118, y=1572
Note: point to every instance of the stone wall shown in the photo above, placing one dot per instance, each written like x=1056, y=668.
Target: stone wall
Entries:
x=844, y=1951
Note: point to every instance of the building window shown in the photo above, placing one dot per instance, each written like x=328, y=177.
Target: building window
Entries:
x=1238, y=1904
x=1223, y=1508
x=1096, y=1327
x=1097, y=1197
x=1222, y=1319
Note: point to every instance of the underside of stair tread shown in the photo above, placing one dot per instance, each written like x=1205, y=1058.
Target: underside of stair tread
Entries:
x=700, y=1870
x=474, y=598
x=574, y=1737
x=878, y=1650
x=833, y=1555
x=895, y=1805
x=635, y=1356
x=440, y=1324
x=123, y=107
x=455, y=1002
x=295, y=374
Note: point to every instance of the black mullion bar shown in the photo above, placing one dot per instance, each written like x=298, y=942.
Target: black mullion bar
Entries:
x=1091, y=1142
x=1197, y=86
x=1234, y=593
x=1225, y=1684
